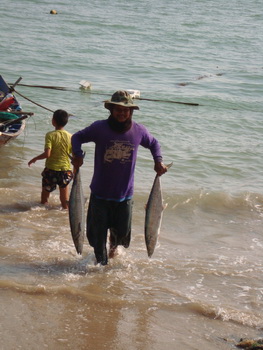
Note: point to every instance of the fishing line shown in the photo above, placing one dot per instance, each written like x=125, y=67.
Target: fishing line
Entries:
x=168, y=101
x=103, y=94
x=60, y=88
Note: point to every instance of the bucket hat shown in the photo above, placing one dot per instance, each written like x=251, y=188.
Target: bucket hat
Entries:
x=120, y=98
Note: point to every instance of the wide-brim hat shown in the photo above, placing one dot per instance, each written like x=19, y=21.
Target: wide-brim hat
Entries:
x=121, y=98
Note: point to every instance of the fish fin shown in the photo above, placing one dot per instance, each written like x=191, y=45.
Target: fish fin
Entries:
x=169, y=165
x=165, y=206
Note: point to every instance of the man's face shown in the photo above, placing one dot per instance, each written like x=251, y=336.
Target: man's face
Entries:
x=120, y=113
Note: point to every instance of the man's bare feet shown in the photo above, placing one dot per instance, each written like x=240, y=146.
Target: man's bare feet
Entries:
x=112, y=252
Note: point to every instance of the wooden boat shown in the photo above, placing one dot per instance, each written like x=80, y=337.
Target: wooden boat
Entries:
x=12, y=118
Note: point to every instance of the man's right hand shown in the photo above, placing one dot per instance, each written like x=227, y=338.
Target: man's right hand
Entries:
x=77, y=162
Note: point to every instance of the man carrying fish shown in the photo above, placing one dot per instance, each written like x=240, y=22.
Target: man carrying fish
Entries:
x=116, y=144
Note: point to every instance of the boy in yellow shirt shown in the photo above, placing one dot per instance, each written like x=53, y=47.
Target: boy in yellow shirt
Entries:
x=57, y=167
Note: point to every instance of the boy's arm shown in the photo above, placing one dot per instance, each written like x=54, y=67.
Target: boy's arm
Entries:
x=44, y=155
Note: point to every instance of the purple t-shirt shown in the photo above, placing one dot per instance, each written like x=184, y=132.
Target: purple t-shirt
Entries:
x=115, y=157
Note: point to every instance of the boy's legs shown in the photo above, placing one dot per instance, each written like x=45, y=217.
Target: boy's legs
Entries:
x=44, y=196
x=47, y=185
x=63, y=179
x=64, y=196
x=50, y=180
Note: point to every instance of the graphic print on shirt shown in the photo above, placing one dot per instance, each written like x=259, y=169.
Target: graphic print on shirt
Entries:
x=119, y=150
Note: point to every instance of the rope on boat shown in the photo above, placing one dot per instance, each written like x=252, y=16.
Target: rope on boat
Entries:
x=39, y=105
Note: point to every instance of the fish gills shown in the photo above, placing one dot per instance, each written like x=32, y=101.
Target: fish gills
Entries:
x=77, y=212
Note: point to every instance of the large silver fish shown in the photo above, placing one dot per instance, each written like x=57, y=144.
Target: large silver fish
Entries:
x=153, y=215
x=77, y=212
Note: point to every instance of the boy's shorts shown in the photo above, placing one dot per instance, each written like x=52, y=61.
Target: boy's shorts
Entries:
x=52, y=178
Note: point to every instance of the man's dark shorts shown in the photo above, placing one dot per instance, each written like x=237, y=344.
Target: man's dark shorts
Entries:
x=104, y=215
x=51, y=179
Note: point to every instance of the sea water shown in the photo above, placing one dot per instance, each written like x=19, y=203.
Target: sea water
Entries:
x=202, y=289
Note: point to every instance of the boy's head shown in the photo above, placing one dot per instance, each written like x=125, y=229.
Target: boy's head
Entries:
x=60, y=117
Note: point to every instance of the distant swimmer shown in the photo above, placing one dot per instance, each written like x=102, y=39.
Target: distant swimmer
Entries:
x=209, y=76
x=200, y=77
